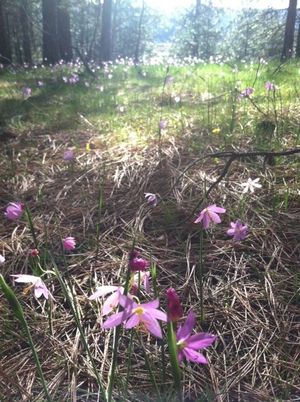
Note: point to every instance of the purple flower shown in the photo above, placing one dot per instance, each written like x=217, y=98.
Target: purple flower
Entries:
x=151, y=199
x=112, y=301
x=14, y=211
x=269, y=86
x=210, y=215
x=238, y=230
x=188, y=344
x=74, y=79
x=163, y=124
x=69, y=155
x=69, y=243
x=38, y=285
x=26, y=91
x=169, y=80
x=175, y=311
x=144, y=316
x=138, y=264
x=142, y=276
x=246, y=93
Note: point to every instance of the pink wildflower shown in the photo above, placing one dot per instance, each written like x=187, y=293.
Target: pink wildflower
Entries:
x=14, y=211
x=112, y=302
x=26, y=91
x=175, y=311
x=169, y=80
x=246, y=93
x=144, y=316
x=69, y=243
x=33, y=252
x=136, y=262
x=209, y=215
x=151, y=199
x=69, y=155
x=269, y=86
x=163, y=124
x=238, y=230
x=188, y=344
x=144, y=278
x=39, y=286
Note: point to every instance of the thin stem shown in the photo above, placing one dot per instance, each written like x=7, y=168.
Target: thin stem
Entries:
x=31, y=227
x=200, y=276
x=129, y=362
x=70, y=297
x=152, y=377
x=117, y=332
x=19, y=313
x=99, y=213
x=172, y=344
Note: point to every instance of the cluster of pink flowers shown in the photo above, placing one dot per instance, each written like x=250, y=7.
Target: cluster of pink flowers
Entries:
x=14, y=211
x=210, y=215
x=245, y=93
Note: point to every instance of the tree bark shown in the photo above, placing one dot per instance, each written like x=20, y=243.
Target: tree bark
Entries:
x=105, y=46
x=5, y=50
x=196, y=29
x=64, y=33
x=288, y=43
x=298, y=42
x=24, y=9
x=50, y=44
x=139, y=38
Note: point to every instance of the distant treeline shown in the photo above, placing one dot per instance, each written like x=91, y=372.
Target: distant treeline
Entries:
x=34, y=31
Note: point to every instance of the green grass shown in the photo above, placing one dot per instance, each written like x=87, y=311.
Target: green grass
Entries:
x=132, y=103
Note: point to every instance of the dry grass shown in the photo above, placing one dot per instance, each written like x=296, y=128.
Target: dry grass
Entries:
x=251, y=289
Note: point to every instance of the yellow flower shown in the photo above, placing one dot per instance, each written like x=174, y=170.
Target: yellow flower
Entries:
x=216, y=130
x=88, y=147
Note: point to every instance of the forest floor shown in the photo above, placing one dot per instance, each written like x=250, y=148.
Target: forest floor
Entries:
x=250, y=289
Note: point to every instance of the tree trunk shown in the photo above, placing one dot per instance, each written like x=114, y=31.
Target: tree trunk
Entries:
x=139, y=38
x=50, y=45
x=288, y=43
x=24, y=9
x=105, y=46
x=5, y=51
x=196, y=29
x=64, y=33
x=298, y=42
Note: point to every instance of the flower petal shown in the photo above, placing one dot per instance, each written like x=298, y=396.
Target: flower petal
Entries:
x=159, y=315
x=194, y=356
x=110, y=303
x=152, y=325
x=115, y=319
x=102, y=291
x=185, y=330
x=152, y=304
x=200, y=341
x=26, y=278
x=133, y=321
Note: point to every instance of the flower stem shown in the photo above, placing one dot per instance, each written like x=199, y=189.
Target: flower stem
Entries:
x=172, y=344
x=117, y=332
x=152, y=377
x=99, y=212
x=67, y=290
x=19, y=313
x=31, y=227
x=200, y=276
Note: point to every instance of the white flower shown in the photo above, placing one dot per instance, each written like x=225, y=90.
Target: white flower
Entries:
x=251, y=185
x=2, y=260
